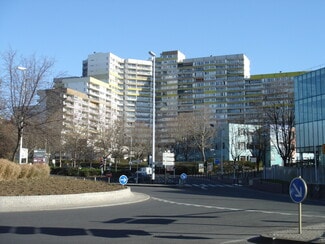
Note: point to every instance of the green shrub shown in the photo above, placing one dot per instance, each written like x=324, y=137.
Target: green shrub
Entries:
x=86, y=172
x=83, y=172
x=65, y=171
x=72, y=172
x=188, y=168
x=55, y=170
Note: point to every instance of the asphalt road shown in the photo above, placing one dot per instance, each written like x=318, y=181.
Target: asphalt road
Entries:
x=196, y=212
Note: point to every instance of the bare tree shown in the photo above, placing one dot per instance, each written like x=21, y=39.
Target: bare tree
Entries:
x=7, y=138
x=115, y=142
x=203, y=131
x=109, y=141
x=23, y=78
x=259, y=144
x=182, y=134
x=282, y=118
x=2, y=98
x=237, y=141
x=44, y=131
x=75, y=142
x=141, y=141
x=105, y=139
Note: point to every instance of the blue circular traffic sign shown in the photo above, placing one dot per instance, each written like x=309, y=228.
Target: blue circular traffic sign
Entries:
x=298, y=190
x=123, y=179
x=183, y=176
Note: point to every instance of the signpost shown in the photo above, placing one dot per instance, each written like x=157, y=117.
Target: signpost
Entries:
x=24, y=155
x=123, y=180
x=298, y=192
x=168, y=162
x=183, y=176
x=182, y=179
x=168, y=159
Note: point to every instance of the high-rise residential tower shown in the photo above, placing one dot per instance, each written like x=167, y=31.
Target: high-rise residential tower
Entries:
x=121, y=89
x=129, y=85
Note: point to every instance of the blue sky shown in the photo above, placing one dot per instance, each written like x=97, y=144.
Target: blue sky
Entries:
x=276, y=35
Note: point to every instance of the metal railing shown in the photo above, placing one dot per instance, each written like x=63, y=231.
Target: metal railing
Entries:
x=310, y=174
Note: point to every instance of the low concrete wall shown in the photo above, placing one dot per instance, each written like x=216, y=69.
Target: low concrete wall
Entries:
x=50, y=202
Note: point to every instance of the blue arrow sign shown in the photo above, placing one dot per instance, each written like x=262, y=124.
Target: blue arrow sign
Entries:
x=123, y=179
x=183, y=176
x=298, y=190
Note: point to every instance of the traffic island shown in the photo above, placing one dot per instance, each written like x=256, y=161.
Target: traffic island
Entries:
x=69, y=201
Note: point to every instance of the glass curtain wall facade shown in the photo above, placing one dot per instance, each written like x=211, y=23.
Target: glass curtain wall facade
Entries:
x=310, y=115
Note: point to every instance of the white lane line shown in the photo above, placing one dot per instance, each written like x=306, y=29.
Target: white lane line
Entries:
x=234, y=209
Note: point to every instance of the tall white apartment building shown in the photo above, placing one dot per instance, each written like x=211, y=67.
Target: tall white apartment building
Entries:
x=264, y=90
x=215, y=81
x=95, y=93
x=187, y=85
x=129, y=83
x=115, y=88
x=111, y=89
x=77, y=106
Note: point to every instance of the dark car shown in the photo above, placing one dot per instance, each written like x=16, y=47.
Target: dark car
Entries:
x=108, y=173
x=141, y=178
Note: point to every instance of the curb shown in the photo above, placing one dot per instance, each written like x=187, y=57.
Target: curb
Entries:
x=69, y=201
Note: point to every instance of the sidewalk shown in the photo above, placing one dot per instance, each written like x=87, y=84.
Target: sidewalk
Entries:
x=310, y=234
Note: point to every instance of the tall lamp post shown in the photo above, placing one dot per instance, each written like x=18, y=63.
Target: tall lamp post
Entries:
x=23, y=69
x=153, y=55
x=130, y=154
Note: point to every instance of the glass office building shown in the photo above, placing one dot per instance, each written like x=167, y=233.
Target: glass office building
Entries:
x=310, y=116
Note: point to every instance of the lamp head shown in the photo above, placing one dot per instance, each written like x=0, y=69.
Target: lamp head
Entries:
x=21, y=68
x=152, y=54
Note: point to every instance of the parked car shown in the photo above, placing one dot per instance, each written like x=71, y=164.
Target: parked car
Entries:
x=108, y=173
x=142, y=178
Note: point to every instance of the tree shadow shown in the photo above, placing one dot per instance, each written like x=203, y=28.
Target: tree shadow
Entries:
x=103, y=233
x=65, y=232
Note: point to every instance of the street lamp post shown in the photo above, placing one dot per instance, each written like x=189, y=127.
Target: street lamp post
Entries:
x=130, y=154
x=153, y=55
x=23, y=69
x=221, y=148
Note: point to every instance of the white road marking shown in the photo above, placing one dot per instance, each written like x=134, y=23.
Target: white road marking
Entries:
x=234, y=209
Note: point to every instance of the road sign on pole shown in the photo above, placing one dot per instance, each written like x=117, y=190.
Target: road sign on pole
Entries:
x=168, y=159
x=123, y=180
x=298, y=193
x=183, y=176
x=298, y=190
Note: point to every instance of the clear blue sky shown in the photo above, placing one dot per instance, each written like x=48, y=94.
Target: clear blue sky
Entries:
x=276, y=35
